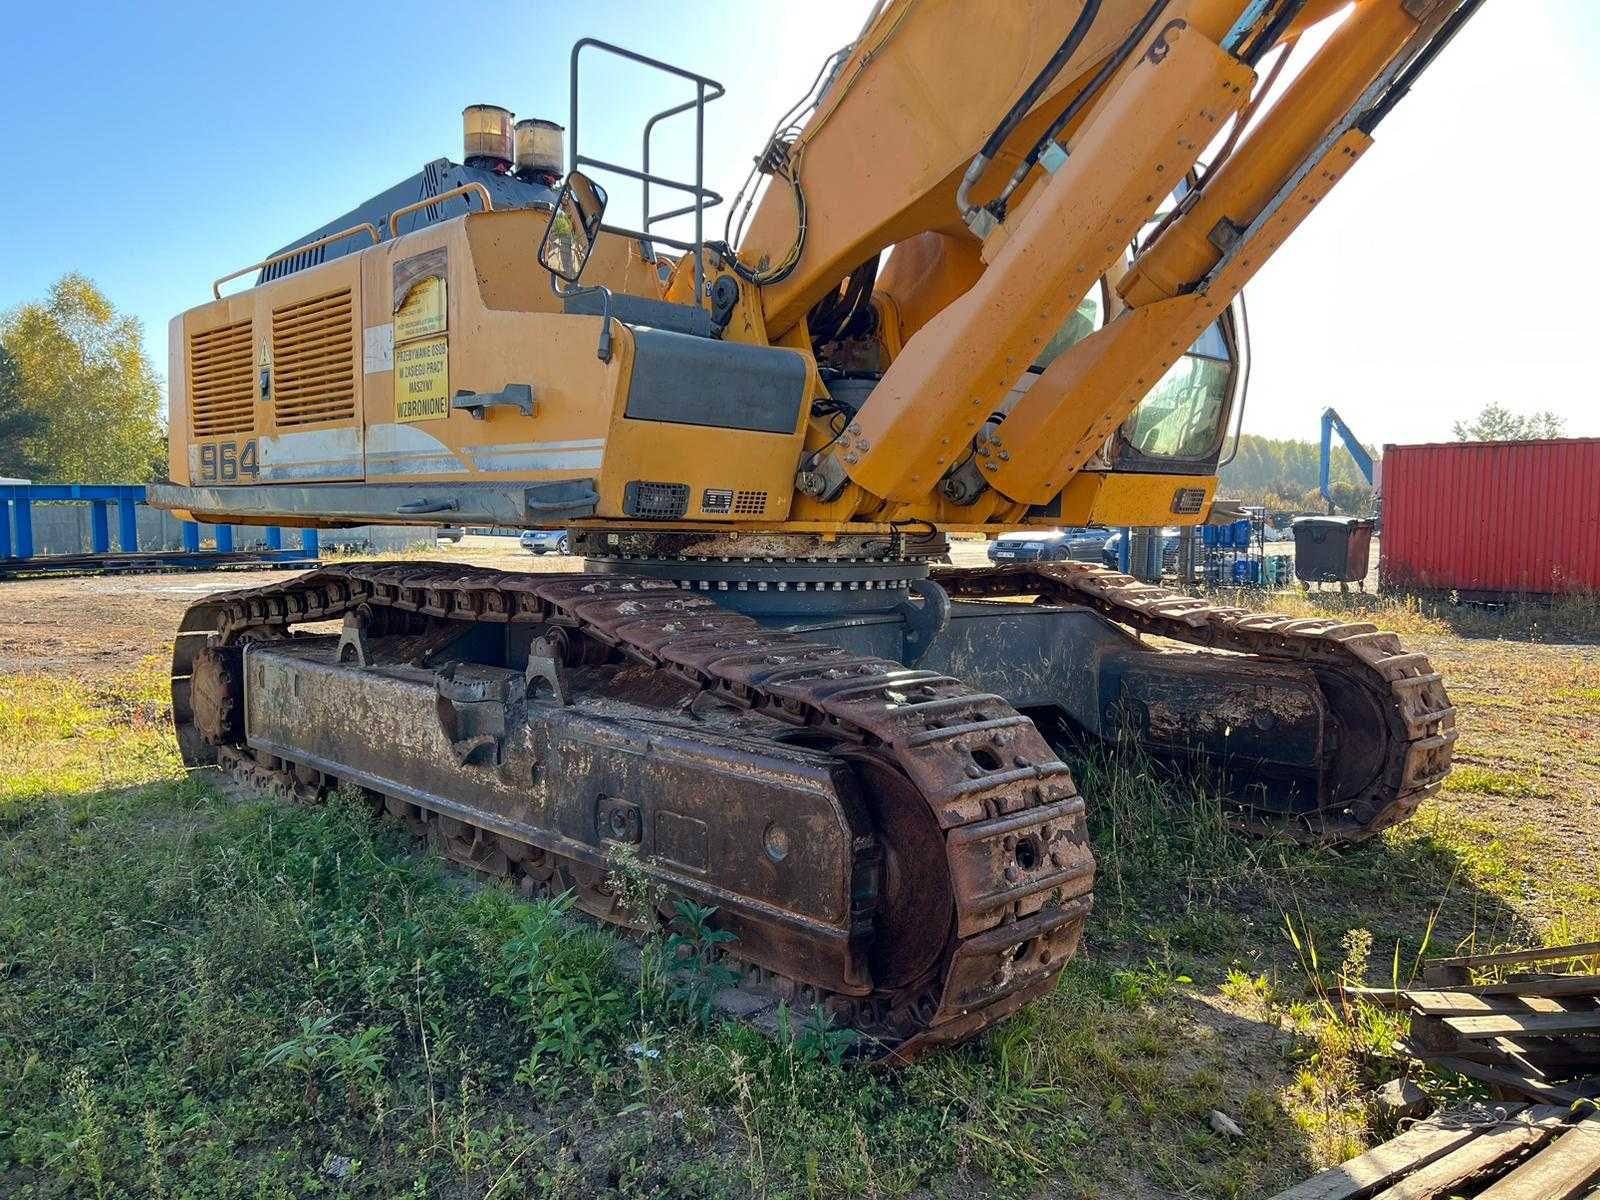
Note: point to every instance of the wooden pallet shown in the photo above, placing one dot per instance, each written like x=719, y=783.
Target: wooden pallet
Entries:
x=1529, y=1036
x=1538, y=1152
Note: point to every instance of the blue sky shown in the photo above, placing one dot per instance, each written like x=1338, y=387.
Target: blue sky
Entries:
x=1450, y=269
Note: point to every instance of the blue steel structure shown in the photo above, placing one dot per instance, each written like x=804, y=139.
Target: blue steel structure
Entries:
x=17, y=551
x=1331, y=421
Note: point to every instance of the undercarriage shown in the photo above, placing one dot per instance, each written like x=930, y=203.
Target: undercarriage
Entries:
x=839, y=746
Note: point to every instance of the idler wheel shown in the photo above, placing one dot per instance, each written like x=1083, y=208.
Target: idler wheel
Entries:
x=216, y=694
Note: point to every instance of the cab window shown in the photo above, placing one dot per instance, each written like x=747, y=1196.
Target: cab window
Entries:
x=1181, y=417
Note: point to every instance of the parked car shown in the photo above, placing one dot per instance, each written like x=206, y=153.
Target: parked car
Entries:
x=1111, y=550
x=1048, y=545
x=449, y=533
x=545, y=541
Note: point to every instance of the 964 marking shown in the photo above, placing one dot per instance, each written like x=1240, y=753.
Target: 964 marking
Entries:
x=227, y=462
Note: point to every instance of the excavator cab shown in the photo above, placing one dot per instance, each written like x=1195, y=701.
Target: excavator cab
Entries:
x=1179, y=427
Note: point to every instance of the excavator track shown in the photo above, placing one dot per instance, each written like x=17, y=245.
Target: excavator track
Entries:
x=1418, y=732
x=971, y=886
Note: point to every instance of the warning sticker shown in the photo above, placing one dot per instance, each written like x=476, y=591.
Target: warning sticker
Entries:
x=419, y=295
x=422, y=380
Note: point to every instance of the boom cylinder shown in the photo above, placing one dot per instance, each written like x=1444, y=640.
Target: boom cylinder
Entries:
x=1287, y=133
x=1137, y=143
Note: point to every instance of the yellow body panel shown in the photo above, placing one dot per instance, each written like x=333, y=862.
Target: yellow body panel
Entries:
x=502, y=325
x=1123, y=498
x=295, y=381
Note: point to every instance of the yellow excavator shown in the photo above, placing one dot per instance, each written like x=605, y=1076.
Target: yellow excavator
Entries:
x=985, y=276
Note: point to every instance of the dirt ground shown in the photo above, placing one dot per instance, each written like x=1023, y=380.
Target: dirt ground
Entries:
x=102, y=625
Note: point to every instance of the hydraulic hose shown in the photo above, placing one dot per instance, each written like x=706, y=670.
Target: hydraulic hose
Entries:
x=1025, y=102
x=1268, y=37
x=1079, y=102
x=1414, y=69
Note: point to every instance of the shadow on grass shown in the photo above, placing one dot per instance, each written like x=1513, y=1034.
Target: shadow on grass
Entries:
x=212, y=997
x=1552, y=620
x=206, y=996
x=1171, y=868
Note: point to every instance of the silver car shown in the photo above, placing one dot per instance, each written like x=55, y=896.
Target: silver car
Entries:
x=545, y=541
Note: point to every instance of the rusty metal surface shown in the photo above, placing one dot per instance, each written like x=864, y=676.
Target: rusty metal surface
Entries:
x=977, y=840
x=1398, y=730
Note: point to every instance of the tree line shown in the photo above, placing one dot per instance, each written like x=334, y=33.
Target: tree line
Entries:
x=79, y=400
x=1283, y=474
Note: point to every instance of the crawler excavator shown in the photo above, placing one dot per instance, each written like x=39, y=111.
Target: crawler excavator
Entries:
x=984, y=277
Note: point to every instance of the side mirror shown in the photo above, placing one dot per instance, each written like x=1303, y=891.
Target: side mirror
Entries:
x=575, y=223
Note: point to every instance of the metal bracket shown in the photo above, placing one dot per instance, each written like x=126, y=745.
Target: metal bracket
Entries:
x=982, y=222
x=1225, y=235
x=514, y=395
x=923, y=622
x=823, y=478
x=475, y=711
x=353, y=641
x=545, y=666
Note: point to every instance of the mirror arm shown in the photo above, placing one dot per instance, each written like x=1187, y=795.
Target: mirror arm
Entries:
x=603, y=351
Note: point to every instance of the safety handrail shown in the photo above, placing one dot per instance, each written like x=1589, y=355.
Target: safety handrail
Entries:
x=366, y=227
x=706, y=90
x=406, y=209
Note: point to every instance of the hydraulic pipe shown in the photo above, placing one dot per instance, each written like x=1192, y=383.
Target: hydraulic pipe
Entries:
x=1070, y=410
x=1142, y=137
x=1287, y=133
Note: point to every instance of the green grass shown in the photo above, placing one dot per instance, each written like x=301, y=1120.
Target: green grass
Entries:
x=1490, y=782
x=58, y=736
x=1557, y=619
x=204, y=996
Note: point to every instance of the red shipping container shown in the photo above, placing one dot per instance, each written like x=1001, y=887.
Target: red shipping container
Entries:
x=1492, y=519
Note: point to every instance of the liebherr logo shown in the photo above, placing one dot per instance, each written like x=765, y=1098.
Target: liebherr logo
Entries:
x=1160, y=48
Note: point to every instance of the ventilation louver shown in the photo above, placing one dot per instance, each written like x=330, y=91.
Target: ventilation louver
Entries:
x=221, y=381
x=314, y=360
x=655, y=501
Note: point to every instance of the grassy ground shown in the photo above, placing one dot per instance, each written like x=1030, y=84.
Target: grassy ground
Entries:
x=205, y=995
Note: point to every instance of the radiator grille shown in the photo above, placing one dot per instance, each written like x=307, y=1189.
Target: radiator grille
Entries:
x=314, y=360
x=749, y=504
x=658, y=501
x=1188, y=501
x=221, y=381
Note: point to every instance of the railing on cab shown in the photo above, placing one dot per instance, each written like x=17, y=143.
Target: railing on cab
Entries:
x=701, y=197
